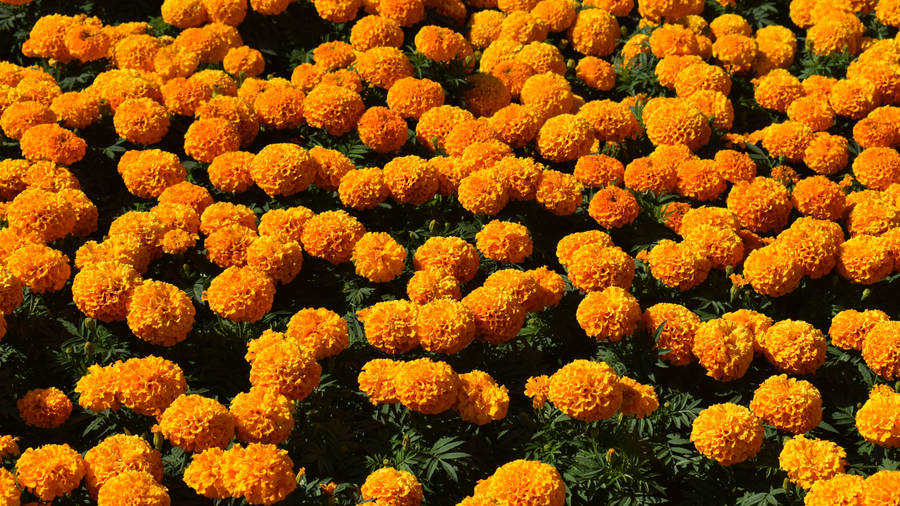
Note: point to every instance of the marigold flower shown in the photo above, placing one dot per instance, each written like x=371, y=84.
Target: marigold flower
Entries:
x=678, y=265
x=864, y=259
x=480, y=399
x=262, y=416
x=204, y=473
x=259, y=473
x=678, y=324
x=504, y=242
x=227, y=246
x=586, y=391
x=286, y=224
x=451, y=254
x=240, y=294
x=594, y=32
x=390, y=326
x=841, y=488
x=558, y=192
x=826, y=154
x=410, y=179
x=881, y=488
x=437, y=122
x=850, y=327
x=286, y=368
x=610, y=314
x=549, y=94
x=97, y=389
x=376, y=380
x=788, y=404
x=878, y=349
x=794, y=346
x=230, y=172
x=50, y=471
x=761, y=205
x=378, y=257
x=9, y=489
x=102, y=290
x=516, y=125
x=331, y=235
x=498, y=315
x=148, y=385
x=160, y=313
x=411, y=97
x=208, y=138
x=53, y=143
x=320, y=331
x=47, y=408
x=75, y=109
x=724, y=349
x=483, y=192
x=426, y=386
x=147, y=173
x=676, y=121
x=527, y=481
x=383, y=66
x=40, y=215
x=810, y=460
x=727, y=433
x=878, y=420
x=877, y=168
x=854, y=98
x=819, y=198
x=133, y=486
x=391, y=486
x=363, y=188
x=199, y=199
x=120, y=454
x=39, y=267
x=184, y=13
x=382, y=129
x=283, y=169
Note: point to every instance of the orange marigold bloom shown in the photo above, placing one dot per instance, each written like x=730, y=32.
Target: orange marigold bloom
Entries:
x=877, y=168
x=391, y=486
x=376, y=380
x=676, y=121
x=597, y=171
x=53, y=143
x=516, y=125
x=383, y=66
x=75, y=109
x=594, y=267
x=879, y=349
x=375, y=31
x=441, y=44
x=773, y=270
x=679, y=325
x=850, y=327
x=286, y=224
x=727, y=433
x=498, y=315
x=148, y=385
x=283, y=169
x=141, y=121
x=318, y=330
x=483, y=192
x=452, y=254
x=331, y=166
x=445, y=326
x=147, y=173
x=10, y=291
x=812, y=112
x=244, y=60
x=279, y=259
x=794, y=346
x=864, y=259
x=230, y=172
x=777, y=90
x=40, y=215
x=259, y=473
x=585, y=390
x=227, y=246
x=382, y=129
x=432, y=284
x=819, y=198
x=184, y=13
x=39, y=267
x=410, y=179
x=102, y=290
x=437, y=122
x=513, y=74
x=878, y=420
x=331, y=235
x=699, y=180
x=287, y=369
x=192, y=195
x=133, y=486
x=47, y=408
x=881, y=488
x=486, y=95
x=240, y=294
x=204, y=473
x=333, y=108
x=610, y=314
x=262, y=416
x=280, y=107
x=724, y=349
x=789, y=139
x=807, y=461
x=854, y=98
x=596, y=73
x=761, y=205
x=426, y=386
x=412, y=97
x=119, y=454
x=378, y=257
x=558, y=192
x=565, y=137
x=160, y=313
x=206, y=139
x=195, y=423
x=594, y=32
x=549, y=94
x=50, y=471
x=480, y=399
x=643, y=174
x=363, y=188
x=678, y=265
x=538, y=389
x=826, y=154
x=504, y=242
x=530, y=481
x=390, y=326
x=841, y=488
x=788, y=404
